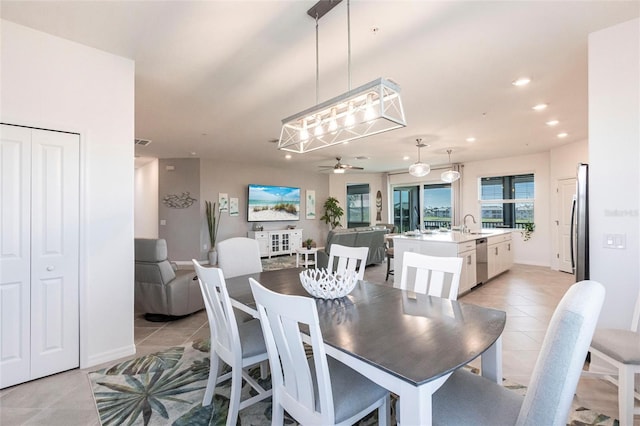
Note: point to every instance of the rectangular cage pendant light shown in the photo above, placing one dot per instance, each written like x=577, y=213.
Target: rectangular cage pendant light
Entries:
x=370, y=109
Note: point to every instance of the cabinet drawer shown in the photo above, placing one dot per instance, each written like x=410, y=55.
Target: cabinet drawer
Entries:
x=469, y=245
x=498, y=239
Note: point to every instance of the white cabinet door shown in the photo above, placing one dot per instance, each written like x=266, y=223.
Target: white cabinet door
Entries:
x=15, y=256
x=54, y=252
x=468, y=275
x=39, y=324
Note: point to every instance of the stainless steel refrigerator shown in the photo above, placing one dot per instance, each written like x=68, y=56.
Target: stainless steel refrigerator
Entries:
x=580, y=225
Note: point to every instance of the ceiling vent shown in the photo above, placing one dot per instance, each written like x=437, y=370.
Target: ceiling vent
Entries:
x=141, y=142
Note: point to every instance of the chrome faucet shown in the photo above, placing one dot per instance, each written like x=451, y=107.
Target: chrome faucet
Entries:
x=465, y=229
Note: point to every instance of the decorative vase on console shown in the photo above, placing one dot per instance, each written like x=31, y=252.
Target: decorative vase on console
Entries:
x=213, y=224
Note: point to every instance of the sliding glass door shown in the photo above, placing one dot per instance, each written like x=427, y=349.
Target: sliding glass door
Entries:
x=406, y=208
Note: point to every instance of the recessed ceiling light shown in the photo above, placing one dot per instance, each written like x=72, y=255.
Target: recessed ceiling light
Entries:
x=522, y=81
x=193, y=153
x=288, y=156
x=540, y=107
x=471, y=139
x=552, y=123
x=563, y=135
x=405, y=158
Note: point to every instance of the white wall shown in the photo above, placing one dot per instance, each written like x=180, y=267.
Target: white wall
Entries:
x=564, y=161
x=614, y=160
x=233, y=179
x=146, y=200
x=377, y=182
x=52, y=83
x=536, y=251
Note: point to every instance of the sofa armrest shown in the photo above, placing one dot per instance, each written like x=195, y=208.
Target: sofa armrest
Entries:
x=322, y=259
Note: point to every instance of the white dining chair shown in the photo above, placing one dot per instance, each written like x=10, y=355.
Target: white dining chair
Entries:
x=469, y=399
x=619, y=348
x=239, y=256
x=315, y=390
x=349, y=259
x=432, y=274
x=239, y=346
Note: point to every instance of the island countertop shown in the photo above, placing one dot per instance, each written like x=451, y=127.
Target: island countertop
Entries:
x=452, y=236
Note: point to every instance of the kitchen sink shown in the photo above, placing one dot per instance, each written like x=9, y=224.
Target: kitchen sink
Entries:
x=480, y=232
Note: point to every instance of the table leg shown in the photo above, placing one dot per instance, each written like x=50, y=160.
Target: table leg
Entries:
x=491, y=362
x=297, y=260
x=415, y=402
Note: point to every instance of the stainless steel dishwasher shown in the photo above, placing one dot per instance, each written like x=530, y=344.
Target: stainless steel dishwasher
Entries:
x=481, y=261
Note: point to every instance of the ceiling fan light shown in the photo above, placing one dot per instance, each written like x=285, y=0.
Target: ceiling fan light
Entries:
x=419, y=169
x=338, y=171
x=450, y=176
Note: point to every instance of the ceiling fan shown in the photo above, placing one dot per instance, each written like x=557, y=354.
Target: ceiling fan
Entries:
x=341, y=167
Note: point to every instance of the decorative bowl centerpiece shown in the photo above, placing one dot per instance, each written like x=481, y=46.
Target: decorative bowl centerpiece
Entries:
x=328, y=285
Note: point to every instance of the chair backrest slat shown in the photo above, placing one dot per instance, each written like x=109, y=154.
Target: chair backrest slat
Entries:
x=431, y=273
x=222, y=322
x=349, y=259
x=281, y=317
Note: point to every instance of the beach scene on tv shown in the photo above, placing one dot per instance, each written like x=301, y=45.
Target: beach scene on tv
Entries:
x=271, y=203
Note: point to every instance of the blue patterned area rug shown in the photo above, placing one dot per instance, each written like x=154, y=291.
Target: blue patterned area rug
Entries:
x=166, y=388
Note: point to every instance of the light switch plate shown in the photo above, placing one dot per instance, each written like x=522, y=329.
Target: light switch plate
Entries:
x=615, y=241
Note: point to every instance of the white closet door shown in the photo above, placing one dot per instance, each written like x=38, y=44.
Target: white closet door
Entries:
x=54, y=252
x=15, y=254
x=39, y=252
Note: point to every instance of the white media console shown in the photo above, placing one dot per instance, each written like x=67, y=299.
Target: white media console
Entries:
x=273, y=243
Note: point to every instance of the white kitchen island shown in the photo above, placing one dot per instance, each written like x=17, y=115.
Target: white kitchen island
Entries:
x=496, y=256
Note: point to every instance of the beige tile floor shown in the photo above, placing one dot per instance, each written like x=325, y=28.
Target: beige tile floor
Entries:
x=528, y=294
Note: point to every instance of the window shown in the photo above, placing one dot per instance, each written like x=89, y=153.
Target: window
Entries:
x=507, y=201
x=357, y=205
x=437, y=206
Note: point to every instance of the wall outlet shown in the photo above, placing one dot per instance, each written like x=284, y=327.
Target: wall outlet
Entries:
x=163, y=222
x=615, y=241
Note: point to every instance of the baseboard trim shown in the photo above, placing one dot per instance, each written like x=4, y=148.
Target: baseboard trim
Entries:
x=111, y=355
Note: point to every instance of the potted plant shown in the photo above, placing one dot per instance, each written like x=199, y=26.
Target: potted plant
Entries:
x=308, y=243
x=332, y=212
x=527, y=230
x=213, y=224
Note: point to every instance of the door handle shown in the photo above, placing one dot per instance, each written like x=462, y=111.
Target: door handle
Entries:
x=50, y=268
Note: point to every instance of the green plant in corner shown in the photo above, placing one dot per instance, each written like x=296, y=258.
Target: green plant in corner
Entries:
x=332, y=212
x=213, y=224
x=527, y=230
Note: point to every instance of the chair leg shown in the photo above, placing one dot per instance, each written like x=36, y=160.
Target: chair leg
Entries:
x=277, y=413
x=384, y=411
x=626, y=395
x=213, y=377
x=388, y=267
x=264, y=369
x=234, y=398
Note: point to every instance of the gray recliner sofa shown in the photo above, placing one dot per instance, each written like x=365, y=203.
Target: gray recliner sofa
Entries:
x=372, y=237
x=163, y=293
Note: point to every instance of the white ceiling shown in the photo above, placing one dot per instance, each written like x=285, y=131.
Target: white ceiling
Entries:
x=217, y=77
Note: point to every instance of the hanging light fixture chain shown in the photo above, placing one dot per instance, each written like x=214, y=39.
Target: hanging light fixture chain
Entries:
x=349, y=41
x=317, y=64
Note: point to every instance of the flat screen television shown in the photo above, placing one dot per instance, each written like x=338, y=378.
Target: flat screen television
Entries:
x=269, y=203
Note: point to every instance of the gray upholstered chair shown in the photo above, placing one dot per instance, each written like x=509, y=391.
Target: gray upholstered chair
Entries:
x=239, y=256
x=163, y=293
x=467, y=399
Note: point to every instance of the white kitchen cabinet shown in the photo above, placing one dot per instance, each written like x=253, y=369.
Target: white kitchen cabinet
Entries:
x=468, y=278
x=499, y=254
x=273, y=243
x=465, y=249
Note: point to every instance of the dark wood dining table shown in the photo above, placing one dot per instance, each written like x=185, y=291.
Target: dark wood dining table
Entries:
x=408, y=343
